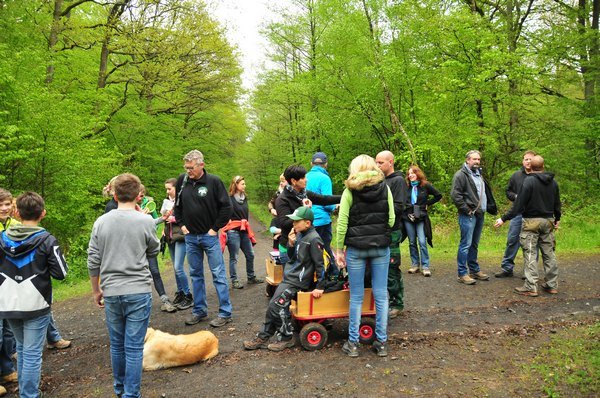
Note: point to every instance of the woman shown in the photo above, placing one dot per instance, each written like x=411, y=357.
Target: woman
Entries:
x=364, y=227
x=175, y=241
x=415, y=218
x=239, y=233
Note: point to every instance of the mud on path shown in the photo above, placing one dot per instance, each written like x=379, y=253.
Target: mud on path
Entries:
x=453, y=340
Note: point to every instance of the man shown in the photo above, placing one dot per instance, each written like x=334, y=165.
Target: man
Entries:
x=202, y=207
x=539, y=204
x=512, y=240
x=318, y=181
x=473, y=197
x=395, y=180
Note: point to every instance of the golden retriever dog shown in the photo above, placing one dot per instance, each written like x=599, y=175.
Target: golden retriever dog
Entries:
x=163, y=350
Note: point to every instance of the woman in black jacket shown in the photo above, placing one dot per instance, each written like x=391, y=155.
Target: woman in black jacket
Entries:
x=415, y=218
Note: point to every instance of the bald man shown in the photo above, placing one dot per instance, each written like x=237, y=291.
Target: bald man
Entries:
x=395, y=180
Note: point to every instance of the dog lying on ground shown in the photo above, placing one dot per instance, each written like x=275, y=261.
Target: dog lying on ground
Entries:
x=163, y=350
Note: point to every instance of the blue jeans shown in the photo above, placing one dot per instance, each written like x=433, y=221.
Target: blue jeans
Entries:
x=127, y=318
x=30, y=335
x=513, y=243
x=52, y=334
x=356, y=262
x=470, y=233
x=414, y=231
x=235, y=240
x=196, y=245
x=156, y=278
x=7, y=348
x=177, y=253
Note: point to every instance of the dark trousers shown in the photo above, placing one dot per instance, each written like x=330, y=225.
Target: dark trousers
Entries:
x=395, y=281
x=278, y=318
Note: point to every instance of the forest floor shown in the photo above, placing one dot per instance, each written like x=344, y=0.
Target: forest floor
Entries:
x=453, y=340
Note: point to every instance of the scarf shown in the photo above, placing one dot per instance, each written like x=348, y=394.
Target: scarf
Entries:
x=414, y=192
x=299, y=195
x=239, y=197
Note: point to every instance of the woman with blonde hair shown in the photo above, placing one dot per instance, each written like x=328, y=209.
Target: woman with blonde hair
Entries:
x=366, y=217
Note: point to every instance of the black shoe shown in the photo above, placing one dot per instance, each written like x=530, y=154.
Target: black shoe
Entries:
x=187, y=302
x=350, y=348
x=194, y=319
x=380, y=348
x=179, y=296
x=504, y=274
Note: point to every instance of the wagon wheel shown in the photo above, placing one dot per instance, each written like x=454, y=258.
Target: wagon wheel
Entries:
x=313, y=336
x=366, y=330
x=270, y=290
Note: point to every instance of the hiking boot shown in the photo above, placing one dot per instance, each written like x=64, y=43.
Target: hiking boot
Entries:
x=219, y=321
x=281, y=345
x=194, y=319
x=467, y=280
x=548, y=289
x=350, y=348
x=380, y=348
x=523, y=291
x=168, y=307
x=11, y=377
x=504, y=274
x=480, y=276
x=179, y=296
x=255, y=281
x=394, y=312
x=426, y=272
x=413, y=270
x=256, y=343
x=60, y=344
x=237, y=285
x=187, y=302
x=3, y=391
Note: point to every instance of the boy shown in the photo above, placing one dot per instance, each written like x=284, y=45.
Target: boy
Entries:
x=122, y=240
x=299, y=276
x=29, y=257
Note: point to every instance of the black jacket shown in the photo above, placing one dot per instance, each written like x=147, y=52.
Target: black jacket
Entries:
x=25, y=270
x=308, y=262
x=201, y=204
x=288, y=201
x=368, y=218
x=423, y=199
x=515, y=183
x=239, y=210
x=539, y=197
x=464, y=194
x=399, y=189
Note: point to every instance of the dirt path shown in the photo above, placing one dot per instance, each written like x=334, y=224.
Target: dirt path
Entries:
x=453, y=340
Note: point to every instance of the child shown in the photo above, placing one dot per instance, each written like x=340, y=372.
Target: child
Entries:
x=122, y=240
x=29, y=257
x=299, y=276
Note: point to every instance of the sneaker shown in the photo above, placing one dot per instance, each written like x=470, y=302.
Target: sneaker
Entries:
x=255, y=281
x=548, y=289
x=194, y=319
x=187, y=302
x=380, y=348
x=504, y=274
x=60, y=344
x=350, y=348
x=256, y=343
x=413, y=270
x=281, y=345
x=219, y=321
x=237, y=285
x=480, y=276
x=12, y=377
x=179, y=296
x=467, y=280
x=394, y=312
x=426, y=272
x=523, y=291
x=168, y=307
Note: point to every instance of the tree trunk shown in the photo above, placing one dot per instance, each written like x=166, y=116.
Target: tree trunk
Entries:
x=53, y=38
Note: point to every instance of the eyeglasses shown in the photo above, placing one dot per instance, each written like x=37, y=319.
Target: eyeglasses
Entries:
x=191, y=167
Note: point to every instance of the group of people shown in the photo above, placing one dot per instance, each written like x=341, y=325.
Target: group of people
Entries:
x=377, y=209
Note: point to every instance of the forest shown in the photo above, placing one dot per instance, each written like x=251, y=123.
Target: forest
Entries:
x=93, y=88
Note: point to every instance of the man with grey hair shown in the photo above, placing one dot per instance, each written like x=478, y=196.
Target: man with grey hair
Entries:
x=539, y=204
x=202, y=207
x=473, y=197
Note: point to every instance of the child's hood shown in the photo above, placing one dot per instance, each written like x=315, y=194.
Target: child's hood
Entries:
x=19, y=239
